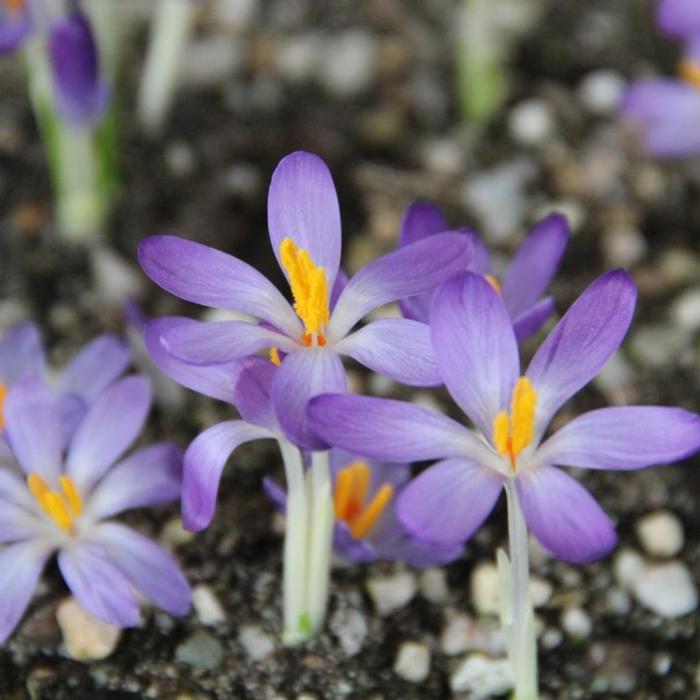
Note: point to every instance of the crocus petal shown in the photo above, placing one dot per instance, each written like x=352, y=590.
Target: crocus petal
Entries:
x=16, y=523
x=204, y=461
x=112, y=424
x=389, y=430
x=81, y=95
x=207, y=276
x=529, y=322
x=302, y=204
x=152, y=571
x=481, y=258
x=95, y=367
x=303, y=375
x=221, y=342
x=276, y=494
x=475, y=347
x=581, y=343
x=344, y=544
x=415, y=269
x=215, y=381
x=563, y=516
x=21, y=351
x=535, y=263
x=679, y=17
x=447, y=503
x=149, y=476
x=34, y=428
x=14, y=488
x=420, y=220
x=21, y=565
x=341, y=281
x=629, y=437
x=14, y=30
x=98, y=584
x=252, y=392
x=397, y=347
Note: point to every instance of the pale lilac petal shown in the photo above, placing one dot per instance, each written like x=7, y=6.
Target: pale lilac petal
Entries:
x=302, y=204
x=33, y=427
x=152, y=571
x=21, y=565
x=447, y=503
x=98, y=584
x=397, y=347
x=563, y=516
x=535, y=263
x=14, y=29
x=216, y=380
x=72, y=409
x=112, y=424
x=679, y=17
x=475, y=347
x=582, y=342
x=417, y=308
x=481, y=258
x=393, y=431
x=276, y=494
x=341, y=281
x=420, y=220
x=344, y=544
x=209, y=277
x=303, y=375
x=204, y=461
x=16, y=523
x=21, y=351
x=415, y=269
x=95, y=367
x=529, y=322
x=150, y=476
x=252, y=392
x=13, y=487
x=629, y=437
x=221, y=342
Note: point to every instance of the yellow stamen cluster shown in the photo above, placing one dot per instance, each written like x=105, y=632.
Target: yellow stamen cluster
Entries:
x=513, y=432
x=309, y=289
x=689, y=71
x=275, y=357
x=349, y=499
x=493, y=282
x=61, y=506
x=3, y=396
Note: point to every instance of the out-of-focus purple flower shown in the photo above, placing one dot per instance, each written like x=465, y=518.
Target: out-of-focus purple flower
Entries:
x=308, y=338
x=76, y=386
x=525, y=280
x=61, y=504
x=366, y=527
x=81, y=94
x=667, y=110
x=478, y=358
x=15, y=24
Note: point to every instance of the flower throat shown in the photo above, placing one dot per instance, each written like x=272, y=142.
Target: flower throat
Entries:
x=513, y=432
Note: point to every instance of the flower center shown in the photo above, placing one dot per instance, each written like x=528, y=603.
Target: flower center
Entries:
x=494, y=283
x=3, y=396
x=689, y=70
x=63, y=506
x=350, y=499
x=513, y=432
x=309, y=289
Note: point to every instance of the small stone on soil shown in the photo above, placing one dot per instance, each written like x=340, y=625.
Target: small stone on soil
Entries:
x=257, y=643
x=201, y=650
x=667, y=590
x=661, y=534
x=207, y=606
x=576, y=623
x=413, y=662
x=350, y=628
x=485, y=588
x=85, y=637
x=433, y=585
x=628, y=567
x=482, y=677
x=392, y=592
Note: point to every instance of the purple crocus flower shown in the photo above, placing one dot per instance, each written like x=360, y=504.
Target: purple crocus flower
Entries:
x=62, y=503
x=306, y=339
x=478, y=358
x=76, y=386
x=668, y=109
x=15, y=24
x=525, y=280
x=366, y=527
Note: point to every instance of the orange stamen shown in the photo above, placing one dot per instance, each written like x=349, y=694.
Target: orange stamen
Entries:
x=366, y=520
x=3, y=396
x=493, y=282
x=689, y=70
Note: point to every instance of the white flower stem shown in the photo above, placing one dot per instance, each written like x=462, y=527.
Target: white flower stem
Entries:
x=296, y=619
x=320, y=533
x=522, y=640
x=170, y=32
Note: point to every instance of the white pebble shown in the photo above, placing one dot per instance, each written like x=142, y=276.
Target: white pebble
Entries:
x=576, y=623
x=686, y=310
x=413, y=662
x=667, y=590
x=623, y=247
x=433, y=585
x=257, y=643
x=482, y=677
x=207, y=606
x=661, y=534
x=211, y=61
x=540, y=591
x=458, y=635
x=628, y=567
x=485, y=589
x=392, y=592
x=348, y=64
x=85, y=637
x=531, y=122
x=601, y=91
x=350, y=628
